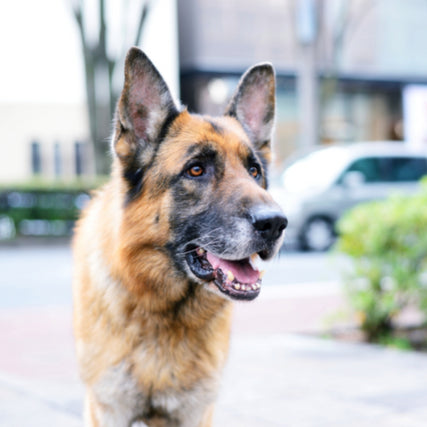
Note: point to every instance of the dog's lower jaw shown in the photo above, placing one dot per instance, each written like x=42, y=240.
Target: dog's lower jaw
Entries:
x=231, y=279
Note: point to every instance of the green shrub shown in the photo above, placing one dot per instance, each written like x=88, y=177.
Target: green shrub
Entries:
x=387, y=242
x=41, y=208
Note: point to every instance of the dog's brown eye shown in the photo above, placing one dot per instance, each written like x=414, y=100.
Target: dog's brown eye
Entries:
x=196, y=171
x=254, y=171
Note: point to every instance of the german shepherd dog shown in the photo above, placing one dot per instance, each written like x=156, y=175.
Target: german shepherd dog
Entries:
x=167, y=244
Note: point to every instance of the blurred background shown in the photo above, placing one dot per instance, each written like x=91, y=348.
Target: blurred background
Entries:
x=347, y=70
x=351, y=128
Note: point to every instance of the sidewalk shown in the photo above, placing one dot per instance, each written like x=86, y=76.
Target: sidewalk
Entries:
x=277, y=374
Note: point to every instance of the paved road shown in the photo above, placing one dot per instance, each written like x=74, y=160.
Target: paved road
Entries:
x=35, y=275
x=41, y=275
x=300, y=267
x=273, y=377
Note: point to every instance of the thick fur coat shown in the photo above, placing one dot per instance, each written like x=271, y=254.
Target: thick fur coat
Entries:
x=167, y=244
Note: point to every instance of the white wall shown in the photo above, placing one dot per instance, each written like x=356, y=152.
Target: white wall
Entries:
x=42, y=94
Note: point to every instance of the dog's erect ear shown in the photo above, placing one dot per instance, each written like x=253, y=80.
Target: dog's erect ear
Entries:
x=253, y=104
x=144, y=109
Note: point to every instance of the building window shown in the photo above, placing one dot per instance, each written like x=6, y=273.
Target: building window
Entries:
x=36, y=164
x=78, y=158
x=57, y=159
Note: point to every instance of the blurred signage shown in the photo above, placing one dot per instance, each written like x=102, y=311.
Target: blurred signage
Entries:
x=415, y=114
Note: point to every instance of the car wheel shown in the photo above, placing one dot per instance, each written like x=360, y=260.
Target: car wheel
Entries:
x=318, y=234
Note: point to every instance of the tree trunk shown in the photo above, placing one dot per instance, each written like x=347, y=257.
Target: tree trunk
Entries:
x=100, y=94
x=99, y=111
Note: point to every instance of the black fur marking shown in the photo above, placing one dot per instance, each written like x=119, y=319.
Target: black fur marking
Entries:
x=202, y=149
x=198, y=226
x=263, y=144
x=265, y=165
x=172, y=115
x=187, y=298
x=134, y=174
x=264, y=169
x=232, y=112
x=255, y=158
x=216, y=128
x=205, y=154
x=133, y=177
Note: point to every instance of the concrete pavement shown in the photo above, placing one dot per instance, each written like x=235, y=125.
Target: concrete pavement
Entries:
x=278, y=374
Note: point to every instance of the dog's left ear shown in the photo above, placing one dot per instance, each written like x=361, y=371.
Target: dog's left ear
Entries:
x=253, y=105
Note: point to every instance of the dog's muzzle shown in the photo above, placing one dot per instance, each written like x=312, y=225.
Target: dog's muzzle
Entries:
x=240, y=278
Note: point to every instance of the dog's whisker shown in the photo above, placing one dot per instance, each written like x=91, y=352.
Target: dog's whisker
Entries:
x=205, y=241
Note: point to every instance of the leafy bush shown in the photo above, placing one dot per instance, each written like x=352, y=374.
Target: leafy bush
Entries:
x=387, y=242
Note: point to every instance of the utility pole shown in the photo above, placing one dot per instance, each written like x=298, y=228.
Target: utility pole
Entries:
x=307, y=81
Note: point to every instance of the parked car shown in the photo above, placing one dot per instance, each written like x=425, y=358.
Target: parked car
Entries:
x=319, y=187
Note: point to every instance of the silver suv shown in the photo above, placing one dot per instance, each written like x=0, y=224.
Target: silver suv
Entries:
x=319, y=187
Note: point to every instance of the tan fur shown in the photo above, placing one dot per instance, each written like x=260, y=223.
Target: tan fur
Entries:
x=151, y=345
x=120, y=314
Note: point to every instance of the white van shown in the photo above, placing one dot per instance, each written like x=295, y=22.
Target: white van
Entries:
x=319, y=187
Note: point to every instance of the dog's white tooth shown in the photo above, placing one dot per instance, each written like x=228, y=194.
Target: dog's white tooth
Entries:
x=200, y=251
x=261, y=274
x=243, y=287
x=230, y=276
x=236, y=286
x=253, y=259
x=254, y=287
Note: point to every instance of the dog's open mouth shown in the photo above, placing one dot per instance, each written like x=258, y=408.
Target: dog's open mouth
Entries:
x=239, y=279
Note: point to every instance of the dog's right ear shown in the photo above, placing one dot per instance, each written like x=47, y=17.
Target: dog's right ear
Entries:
x=144, y=110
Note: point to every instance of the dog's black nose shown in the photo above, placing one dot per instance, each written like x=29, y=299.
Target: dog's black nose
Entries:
x=270, y=223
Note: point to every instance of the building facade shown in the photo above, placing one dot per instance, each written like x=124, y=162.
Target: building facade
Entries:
x=363, y=54
x=44, y=140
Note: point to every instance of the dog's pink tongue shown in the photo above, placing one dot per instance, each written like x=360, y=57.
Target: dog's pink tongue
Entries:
x=242, y=269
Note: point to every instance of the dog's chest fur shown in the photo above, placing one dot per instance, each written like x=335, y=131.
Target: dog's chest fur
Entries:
x=120, y=389
x=147, y=364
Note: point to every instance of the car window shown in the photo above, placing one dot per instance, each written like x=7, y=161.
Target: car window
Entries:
x=369, y=167
x=405, y=169
x=390, y=169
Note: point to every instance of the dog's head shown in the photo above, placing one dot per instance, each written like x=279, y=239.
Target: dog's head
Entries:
x=195, y=186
